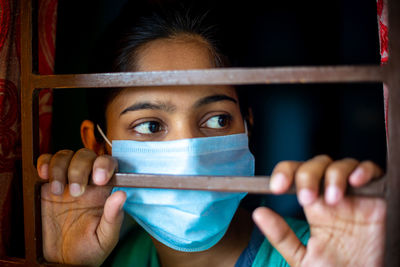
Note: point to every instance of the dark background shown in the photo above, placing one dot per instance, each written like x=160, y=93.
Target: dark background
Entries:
x=292, y=122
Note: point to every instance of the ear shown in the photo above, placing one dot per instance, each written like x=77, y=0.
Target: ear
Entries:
x=89, y=139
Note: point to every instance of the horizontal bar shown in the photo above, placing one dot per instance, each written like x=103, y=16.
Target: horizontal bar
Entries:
x=11, y=261
x=233, y=76
x=252, y=185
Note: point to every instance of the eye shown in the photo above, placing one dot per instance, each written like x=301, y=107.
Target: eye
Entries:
x=219, y=121
x=148, y=127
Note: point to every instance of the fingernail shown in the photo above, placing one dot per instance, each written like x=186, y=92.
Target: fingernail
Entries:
x=99, y=176
x=306, y=197
x=44, y=171
x=357, y=175
x=57, y=188
x=278, y=182
x=75, y=189
x=332, y=194
x=257, y=216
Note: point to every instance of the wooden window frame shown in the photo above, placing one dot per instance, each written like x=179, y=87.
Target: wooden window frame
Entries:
x=389, y=187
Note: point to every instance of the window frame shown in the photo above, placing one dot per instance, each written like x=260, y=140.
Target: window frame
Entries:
x=389, y=187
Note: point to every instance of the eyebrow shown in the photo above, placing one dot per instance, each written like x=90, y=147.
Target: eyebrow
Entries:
x=170, y=108
x=148, y=105
x=212, y=99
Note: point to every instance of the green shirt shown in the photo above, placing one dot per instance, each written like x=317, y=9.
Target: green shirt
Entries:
x=137, y=249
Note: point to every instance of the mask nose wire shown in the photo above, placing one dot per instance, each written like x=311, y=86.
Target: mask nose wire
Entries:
x=103, y=135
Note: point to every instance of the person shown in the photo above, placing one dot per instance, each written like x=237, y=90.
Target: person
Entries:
x=193, y=130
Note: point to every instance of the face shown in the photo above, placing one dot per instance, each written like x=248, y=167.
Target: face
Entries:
x=174, y=112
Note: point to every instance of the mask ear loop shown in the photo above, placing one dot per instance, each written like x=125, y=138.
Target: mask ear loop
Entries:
x=103, y=135
x=245, y=127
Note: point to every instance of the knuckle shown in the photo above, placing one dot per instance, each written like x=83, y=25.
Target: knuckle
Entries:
x=64, y=152
x=369, y=163
x=44, y=158
x=100, y=161
x=324, y=157
x=79, y=172
x=61, y=157
x=57, y=172
x=303, y=175
x=332, y=171
x=285, y=235
x=75, y=173
x=350, y=161
x=371, y=167
x=106, y=161
x=85, y=151
x=285, y=165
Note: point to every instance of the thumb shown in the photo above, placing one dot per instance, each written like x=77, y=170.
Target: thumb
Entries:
x=111, y=221
x=280, y=235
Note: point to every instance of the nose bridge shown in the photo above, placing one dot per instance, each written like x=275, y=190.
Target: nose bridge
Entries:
x=182, y=128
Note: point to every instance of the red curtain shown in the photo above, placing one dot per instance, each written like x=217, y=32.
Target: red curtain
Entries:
x=10, y=135
x=383, y=39
x=10, y=120
x=47, y=36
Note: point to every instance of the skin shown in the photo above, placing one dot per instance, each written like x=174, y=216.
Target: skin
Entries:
x=77, y=217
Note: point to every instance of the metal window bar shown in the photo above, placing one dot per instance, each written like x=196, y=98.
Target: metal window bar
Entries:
x=31, y=83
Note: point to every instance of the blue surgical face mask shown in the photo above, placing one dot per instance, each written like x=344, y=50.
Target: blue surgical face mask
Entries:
x=185, y=220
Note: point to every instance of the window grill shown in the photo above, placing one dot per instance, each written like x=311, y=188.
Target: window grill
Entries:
x=389, y=187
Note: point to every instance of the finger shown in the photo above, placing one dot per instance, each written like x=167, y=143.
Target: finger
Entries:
x=103, y=169
x=282, y=176
x=111, y=221
x=308, y=178
x=336, y=179
x=364, y=172
x=58, y=170
x=280, y=235
x=79, y=171
x=42, y=165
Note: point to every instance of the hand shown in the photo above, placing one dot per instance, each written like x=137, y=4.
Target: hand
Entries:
x=80, y=223
x=308, y=175
x=344, y=230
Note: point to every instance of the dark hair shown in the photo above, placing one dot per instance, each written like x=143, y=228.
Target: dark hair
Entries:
x=158, y=23
x=167, y=24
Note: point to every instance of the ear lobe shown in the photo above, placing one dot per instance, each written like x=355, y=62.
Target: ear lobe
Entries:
x=89, y=138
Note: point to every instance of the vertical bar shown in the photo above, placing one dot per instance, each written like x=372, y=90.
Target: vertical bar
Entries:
x=392, y=256
x=28, y=170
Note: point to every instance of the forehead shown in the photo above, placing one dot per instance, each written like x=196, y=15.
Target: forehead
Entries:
x=185, y=94
x=178, y=53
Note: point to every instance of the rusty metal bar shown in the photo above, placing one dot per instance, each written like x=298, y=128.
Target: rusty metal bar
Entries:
x=26, y=105
x=252, y=185
x=32, y=223
x=13, y=262
x=234, y=76
x=392, y=256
